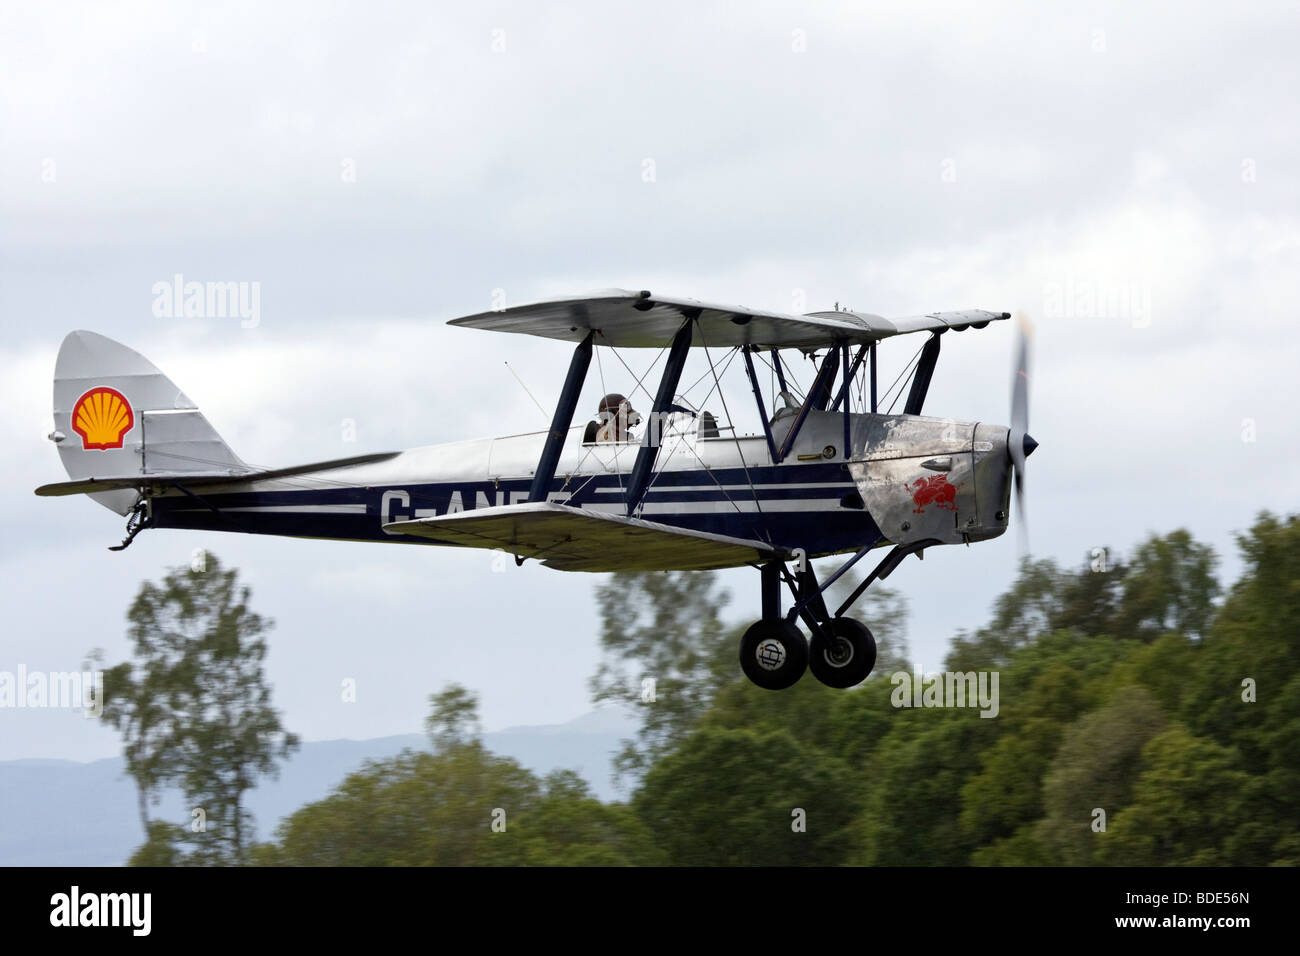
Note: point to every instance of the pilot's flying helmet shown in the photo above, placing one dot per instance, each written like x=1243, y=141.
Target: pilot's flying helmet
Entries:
x=610, y=406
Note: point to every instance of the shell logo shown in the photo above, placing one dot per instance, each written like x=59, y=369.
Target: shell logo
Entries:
x=102, y=417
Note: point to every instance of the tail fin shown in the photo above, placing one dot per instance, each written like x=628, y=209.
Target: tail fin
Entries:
x=116, y=415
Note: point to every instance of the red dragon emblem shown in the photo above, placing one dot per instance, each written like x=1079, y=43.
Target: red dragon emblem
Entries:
x=934, y=490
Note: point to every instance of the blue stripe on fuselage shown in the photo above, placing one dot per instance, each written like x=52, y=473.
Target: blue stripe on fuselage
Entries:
x=791, y=506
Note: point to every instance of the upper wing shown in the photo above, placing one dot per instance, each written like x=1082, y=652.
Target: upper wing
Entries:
x=640, y=320
x=570, y=539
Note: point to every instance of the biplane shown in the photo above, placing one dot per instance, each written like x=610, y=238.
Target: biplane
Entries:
x=830, y=472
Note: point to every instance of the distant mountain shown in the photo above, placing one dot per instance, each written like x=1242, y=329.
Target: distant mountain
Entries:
x=65, y=813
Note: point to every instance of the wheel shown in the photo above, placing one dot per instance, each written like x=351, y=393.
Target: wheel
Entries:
x=774, y=654
x=847, y=658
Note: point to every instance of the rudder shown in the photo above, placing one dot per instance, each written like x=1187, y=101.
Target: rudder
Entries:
x=119, y=415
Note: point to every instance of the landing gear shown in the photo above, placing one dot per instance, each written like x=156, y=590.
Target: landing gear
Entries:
x=773, y=654
x=842, y=652
x=136, y=521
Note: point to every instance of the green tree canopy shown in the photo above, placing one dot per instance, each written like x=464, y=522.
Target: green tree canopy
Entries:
x=194, y=707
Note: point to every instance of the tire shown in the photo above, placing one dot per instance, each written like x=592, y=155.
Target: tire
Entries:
x=847, y=658
x=774, y=654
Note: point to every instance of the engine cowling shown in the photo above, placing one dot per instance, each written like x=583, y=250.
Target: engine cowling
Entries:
x=933, y=478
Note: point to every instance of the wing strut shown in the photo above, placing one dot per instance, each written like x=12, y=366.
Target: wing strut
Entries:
x=924, y=370
x=873, y=378
x=649, y=451
x=848, y=380
x=564, y=410
x=844, y=397
x=758, y=398
x=780, y=371
x=818, y=396
x=848, y=375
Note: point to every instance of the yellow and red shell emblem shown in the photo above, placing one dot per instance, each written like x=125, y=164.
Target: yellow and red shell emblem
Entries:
x=102, y=417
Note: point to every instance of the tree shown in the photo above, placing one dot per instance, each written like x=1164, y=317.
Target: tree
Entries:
x=1123, y=687
x=453, y=718
x=1046, y=687
x=738, y=797
x=460, y=805
x=1253, y=640
x=1188, y=803
x=1169, y=586
x=567, y=826
x=1095, y=769
x=1092, y=595
x=1021, y=615
x=161, y=848
x=666, y=653
x=1245, y=690
x=194, y=707
x=415, y=809
x=911, y=811
x=135, y=706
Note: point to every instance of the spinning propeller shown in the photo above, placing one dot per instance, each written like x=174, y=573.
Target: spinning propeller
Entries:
x=1020, y=444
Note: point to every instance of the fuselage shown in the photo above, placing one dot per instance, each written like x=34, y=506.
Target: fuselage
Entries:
x=714, y=483
x=815, y=482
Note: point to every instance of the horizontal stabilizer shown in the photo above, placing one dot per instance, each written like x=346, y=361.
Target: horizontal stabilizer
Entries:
x=90, y=486
x=196, y=479
x=571, y=539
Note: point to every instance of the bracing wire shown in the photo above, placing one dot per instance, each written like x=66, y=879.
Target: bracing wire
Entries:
x=735, y=437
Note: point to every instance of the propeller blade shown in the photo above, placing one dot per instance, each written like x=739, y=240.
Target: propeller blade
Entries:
x=1020, y=445
x=1020, y=396
x=1022, y=523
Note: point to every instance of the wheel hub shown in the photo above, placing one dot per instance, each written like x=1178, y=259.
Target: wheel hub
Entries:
x=770, y=654
x=840, y=654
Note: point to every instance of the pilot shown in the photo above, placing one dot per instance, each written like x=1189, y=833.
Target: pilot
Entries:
x=614, y=418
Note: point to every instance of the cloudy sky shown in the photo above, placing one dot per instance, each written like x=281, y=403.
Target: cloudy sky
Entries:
x=1125, y=174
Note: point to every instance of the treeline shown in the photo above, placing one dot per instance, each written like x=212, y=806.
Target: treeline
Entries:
x=1143, y=717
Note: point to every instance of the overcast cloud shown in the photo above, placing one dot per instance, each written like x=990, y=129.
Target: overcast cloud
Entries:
x=1126, y=174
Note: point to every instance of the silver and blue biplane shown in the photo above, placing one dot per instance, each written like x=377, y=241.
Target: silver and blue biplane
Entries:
x=830, y=473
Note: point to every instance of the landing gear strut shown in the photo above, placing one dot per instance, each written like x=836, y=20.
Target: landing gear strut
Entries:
x=842, y=651
x=136, y=521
